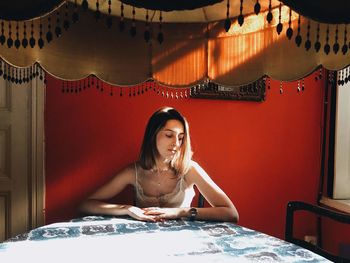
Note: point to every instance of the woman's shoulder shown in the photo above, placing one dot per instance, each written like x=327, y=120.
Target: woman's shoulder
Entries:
x=194, y=166
x=129, y=167
x=194, y=170
x=128, y=170
x=197, y=175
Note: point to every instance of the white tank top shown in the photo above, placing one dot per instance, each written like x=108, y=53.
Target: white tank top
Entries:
x=181, y=196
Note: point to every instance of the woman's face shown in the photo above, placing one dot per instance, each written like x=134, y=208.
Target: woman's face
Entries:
x=169, y=139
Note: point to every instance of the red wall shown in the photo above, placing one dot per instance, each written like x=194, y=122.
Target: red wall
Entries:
x=261, y=154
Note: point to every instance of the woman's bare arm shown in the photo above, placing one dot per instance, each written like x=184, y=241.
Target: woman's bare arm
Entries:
x=95, y=203
x=222, y=209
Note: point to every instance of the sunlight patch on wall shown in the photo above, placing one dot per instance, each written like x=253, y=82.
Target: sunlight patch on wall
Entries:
x=241, y=44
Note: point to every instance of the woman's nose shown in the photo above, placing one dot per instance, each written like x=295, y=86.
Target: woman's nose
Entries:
x=176, y=142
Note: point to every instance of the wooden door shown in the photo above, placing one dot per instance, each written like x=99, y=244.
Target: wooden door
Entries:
x=21, y=156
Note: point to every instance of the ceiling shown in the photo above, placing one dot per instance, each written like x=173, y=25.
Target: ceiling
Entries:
x=209, y=10
x=335, y=11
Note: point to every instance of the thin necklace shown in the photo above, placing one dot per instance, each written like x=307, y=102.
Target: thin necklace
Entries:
x=159, y=170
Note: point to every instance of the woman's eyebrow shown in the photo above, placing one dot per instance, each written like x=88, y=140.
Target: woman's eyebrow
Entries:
x=173, y=131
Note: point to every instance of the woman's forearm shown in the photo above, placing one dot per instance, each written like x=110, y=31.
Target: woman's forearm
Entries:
x=92, y=206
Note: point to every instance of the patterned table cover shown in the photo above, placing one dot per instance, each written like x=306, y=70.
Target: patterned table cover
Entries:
x=111, y=239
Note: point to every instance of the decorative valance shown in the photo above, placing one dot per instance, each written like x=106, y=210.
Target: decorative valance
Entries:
x=231, y=42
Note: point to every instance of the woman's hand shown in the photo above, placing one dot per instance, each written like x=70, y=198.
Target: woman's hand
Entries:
x=164, y=213
x=140, y=214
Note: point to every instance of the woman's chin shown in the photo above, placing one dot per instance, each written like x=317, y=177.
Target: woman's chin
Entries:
x=169, y=158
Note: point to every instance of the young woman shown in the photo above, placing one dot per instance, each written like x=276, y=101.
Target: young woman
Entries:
x=163, y=178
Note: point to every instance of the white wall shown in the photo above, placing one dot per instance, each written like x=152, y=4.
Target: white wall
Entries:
x=341, y=186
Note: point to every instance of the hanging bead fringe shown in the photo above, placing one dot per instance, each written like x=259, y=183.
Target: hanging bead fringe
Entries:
x=343, y=76
x=22, y=41
x=317, y=76
x=77, y=86
x=18, y=75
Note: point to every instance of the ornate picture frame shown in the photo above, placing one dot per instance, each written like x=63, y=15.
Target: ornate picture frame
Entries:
x=210, y=90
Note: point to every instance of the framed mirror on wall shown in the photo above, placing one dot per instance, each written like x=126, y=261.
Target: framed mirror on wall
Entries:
x=210, y=90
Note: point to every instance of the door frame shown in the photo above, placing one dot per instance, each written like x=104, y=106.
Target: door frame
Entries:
x=36, y=178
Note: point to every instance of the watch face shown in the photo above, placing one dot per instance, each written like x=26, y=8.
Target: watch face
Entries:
x=193, y=212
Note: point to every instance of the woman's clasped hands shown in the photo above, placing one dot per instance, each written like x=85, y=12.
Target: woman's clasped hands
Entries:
x=153, y=214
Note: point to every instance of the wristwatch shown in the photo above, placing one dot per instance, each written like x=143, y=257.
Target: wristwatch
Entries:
x=193, y=213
